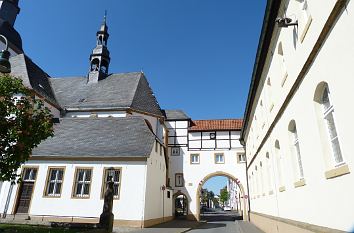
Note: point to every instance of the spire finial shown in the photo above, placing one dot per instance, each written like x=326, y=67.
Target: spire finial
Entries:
x=105, y=16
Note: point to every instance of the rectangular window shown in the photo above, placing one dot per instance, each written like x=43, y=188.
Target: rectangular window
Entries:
x=179, y=181
x=195, y=159
x=116, y=177
x=82, y=183
x=168, y=194
x=175, y=151
x=241, y=158
x=156, y=146
x=161, y=149
x=219, y=158
x=54, y=182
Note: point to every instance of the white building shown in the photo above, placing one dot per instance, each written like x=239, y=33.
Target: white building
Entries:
x=200, y=150
x=102, y=121
x=105, y=121
x=234, y=193
x=298, y=127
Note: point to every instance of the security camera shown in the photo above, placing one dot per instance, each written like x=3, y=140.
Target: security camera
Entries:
x=285, y=22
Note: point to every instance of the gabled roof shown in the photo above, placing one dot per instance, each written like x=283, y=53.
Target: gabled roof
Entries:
x=117, y=91
x=98, y=137
x=176, y=115
x=33, y=76
x=210, y=125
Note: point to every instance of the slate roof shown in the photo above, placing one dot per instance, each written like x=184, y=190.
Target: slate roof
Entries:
x=33, y=76
x=207, y=125
x=120, y=91
x=176, y=115
x=98, y=137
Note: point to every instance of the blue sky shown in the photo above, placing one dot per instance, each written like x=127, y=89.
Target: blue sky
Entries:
x=198, y=55
x=215, y=184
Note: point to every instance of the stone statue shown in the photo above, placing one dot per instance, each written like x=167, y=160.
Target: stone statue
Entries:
x=107, y=217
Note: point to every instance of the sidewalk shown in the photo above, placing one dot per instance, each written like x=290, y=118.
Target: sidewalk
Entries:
x=247, y=227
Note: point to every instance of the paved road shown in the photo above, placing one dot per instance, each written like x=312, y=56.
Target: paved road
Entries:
x=213, y=221
x=217, y=227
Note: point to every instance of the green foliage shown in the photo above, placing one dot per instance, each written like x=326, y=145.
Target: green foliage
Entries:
x=224, y=195
x=24, y=123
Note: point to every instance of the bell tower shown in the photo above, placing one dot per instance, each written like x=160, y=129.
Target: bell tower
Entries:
x=9, y=10
x=99, y=58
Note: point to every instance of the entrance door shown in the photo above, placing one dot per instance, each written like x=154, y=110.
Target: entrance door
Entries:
x=26, y=190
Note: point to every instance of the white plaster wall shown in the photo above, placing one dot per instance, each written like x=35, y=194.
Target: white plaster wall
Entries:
x=154, y=121
x=195, y=173
x=157, y=205
x=323, y=202
x=132, y=188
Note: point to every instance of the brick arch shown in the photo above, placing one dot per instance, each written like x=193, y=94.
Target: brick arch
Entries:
x=221, y=173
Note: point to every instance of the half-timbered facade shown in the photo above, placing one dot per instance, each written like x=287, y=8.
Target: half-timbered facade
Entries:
x=201, y=149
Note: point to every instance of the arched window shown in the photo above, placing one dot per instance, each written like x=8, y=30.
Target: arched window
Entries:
x=284, y=71
x=261, y=174
x=104, y=66
x=295, y=144
x=279, y=158
x=327, y=124
x=95, y=64
x=256, y=181
x=269, y=172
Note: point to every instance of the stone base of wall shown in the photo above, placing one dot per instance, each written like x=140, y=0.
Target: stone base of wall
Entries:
x=271, y=224
x=48, y=220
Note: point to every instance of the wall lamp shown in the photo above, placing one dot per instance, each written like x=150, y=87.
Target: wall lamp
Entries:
x=5, y=66
x=285, y=22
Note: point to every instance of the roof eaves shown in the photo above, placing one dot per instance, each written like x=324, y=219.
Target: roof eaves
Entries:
x=271, y=13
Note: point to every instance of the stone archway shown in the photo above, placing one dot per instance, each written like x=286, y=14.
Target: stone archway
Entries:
x=181, y=210
x=221, y=173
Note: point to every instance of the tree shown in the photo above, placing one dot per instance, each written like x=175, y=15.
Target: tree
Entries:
x=224, y=195
x=24, y=123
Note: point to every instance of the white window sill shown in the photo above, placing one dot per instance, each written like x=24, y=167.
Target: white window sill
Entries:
x=305, y=29
x=338, y=171
x=282, y=189
x=299, y=183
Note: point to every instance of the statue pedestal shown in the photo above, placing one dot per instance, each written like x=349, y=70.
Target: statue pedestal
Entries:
x=106, y=221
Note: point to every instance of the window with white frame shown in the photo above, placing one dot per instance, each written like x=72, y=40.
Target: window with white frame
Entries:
x=279, y=163
x=241, y=158
x=195, y=159
x=82, y=182
x=219, y=158
x=115, y=175
x=261, y=178
x=54, y=182
x=175, y=151
x=284, y=71
x=257, y=182
x=328, y=117
x=296, y=149
x=305, y=19
x=269, y=171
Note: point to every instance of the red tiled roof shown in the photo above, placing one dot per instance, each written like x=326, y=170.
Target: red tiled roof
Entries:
x=206, y=125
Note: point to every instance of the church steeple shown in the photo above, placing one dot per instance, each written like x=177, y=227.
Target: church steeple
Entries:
x=9, y=10
x=99, y=58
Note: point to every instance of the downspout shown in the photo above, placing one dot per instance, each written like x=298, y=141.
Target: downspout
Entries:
x=248, y=187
